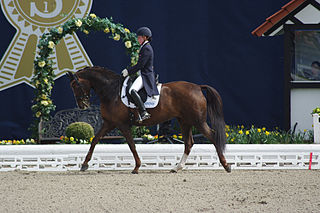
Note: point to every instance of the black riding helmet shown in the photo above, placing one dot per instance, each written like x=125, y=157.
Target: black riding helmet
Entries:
x=144, y=31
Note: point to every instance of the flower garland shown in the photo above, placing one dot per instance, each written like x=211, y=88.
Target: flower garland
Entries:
x=43, y=78
x=316, y=111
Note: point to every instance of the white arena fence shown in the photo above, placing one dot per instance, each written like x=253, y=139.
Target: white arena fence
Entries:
x=157, y=157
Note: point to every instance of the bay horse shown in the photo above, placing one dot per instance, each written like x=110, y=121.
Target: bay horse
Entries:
x=181, y=100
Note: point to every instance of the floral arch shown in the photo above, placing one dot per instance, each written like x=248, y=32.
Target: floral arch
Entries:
x=43, y=78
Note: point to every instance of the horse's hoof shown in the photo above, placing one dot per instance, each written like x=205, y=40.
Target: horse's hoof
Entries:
x=173, y=171
x=228, y=169
x=134, y=172
x=84, y=167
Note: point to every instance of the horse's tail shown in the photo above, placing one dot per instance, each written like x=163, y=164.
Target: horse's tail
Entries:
x=215, y=112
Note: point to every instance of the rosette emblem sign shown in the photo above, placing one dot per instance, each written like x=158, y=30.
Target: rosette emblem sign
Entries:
x=32, y=18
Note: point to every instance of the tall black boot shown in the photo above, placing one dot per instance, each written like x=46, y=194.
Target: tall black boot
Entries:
x=138, y=102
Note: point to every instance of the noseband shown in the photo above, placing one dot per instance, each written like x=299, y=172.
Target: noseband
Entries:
x=84, y=97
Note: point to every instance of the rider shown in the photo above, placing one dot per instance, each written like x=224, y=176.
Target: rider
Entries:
x=144, y=68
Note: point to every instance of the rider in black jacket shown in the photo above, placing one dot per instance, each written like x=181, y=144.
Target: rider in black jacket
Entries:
x=144, y=68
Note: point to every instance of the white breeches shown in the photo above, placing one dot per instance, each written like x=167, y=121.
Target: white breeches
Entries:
x=137, y=84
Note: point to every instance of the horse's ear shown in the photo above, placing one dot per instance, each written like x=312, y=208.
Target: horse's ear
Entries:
x=70, y=75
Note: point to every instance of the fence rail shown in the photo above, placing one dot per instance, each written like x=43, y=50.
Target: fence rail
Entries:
x=157, y=157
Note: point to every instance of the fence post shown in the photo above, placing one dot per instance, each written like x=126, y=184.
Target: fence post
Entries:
x=316, y=128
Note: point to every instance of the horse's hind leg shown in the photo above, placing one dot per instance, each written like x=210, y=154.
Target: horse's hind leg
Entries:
x=126, y=132
x=208, y=133
x=95, y=140
x=188, y=143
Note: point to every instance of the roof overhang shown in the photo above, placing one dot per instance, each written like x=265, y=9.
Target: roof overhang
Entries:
x=294, y=12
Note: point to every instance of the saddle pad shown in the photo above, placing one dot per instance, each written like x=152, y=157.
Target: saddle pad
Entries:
x=150, y=102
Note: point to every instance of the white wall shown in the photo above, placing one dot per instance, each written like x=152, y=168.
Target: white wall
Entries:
x=303, y=101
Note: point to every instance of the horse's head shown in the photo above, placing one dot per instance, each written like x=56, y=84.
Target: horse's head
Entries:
x=81, y=90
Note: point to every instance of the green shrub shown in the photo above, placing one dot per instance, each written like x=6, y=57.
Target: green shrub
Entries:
x=80, y=130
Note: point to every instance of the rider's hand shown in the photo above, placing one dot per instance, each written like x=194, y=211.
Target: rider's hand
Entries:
x=124, y=73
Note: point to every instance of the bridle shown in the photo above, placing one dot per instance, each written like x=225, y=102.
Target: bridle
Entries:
x=84, y=98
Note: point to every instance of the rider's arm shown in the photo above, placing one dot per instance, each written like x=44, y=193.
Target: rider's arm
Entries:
x=144, y=56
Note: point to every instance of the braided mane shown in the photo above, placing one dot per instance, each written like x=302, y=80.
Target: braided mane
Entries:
x=105, y=82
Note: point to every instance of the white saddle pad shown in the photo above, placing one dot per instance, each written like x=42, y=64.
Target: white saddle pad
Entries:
x=151, y=102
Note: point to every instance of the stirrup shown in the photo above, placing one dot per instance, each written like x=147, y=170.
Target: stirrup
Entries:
x=145, y=116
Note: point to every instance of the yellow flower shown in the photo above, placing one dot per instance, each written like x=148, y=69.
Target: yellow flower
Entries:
x=240, y=132
x=150, y=137
x=247, y=132
x=263, y=129
x=305, y=130
x=32, y=141
x=267, y=133
x=37, y=83
x=133, y=60
x=51, y=44
x=38, y=114
x=45, y=80
x=116, y=37
x=106, y=30
x=127, y=44
x=127, y=30
x=113, y=30
x=78, y=23
x=41, y=63
x=91, y=139
x=44, y=103
x=242, y=126
x=92, y=15
x=227, y=135
x=43, y=96
x=60, y=30
x=86, y=32
x=259, y=130
x=71, y=139
x=232, y=139
x=180, y=137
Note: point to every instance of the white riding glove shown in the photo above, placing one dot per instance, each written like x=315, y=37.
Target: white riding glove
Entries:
x=125, y=73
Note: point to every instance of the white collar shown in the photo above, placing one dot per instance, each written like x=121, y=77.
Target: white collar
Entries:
x=144, y=43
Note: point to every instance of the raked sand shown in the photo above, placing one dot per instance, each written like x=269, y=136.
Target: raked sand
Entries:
x=161, y=191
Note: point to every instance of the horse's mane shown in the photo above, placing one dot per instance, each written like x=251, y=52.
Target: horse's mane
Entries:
x=105, y=73
x=107, y=82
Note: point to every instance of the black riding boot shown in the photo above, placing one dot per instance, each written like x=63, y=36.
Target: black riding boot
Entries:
x=138, y=102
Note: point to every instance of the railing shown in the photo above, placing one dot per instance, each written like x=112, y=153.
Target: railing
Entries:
x=157, y=157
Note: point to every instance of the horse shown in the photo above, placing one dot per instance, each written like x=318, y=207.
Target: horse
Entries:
x=182, y=100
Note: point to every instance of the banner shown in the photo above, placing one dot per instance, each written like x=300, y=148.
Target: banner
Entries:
x=32, y=18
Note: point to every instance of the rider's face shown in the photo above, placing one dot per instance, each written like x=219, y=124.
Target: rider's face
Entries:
x=141, y=39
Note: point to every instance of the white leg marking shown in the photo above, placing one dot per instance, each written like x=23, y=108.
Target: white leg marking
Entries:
x=181, y=163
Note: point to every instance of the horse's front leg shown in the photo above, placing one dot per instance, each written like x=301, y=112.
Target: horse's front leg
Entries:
x=104, y=129
x=126, y=132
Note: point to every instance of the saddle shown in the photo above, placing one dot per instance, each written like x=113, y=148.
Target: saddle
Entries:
x=149, y=102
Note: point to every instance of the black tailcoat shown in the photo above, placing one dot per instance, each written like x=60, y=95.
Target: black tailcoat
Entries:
x=145, y=65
